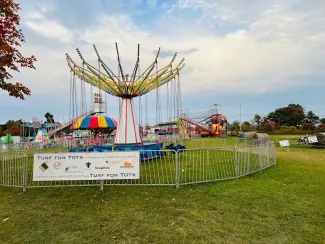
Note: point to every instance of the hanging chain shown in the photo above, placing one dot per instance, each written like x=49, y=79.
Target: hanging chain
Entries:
x=179, y=94
x=70, y=106
x=75, y=102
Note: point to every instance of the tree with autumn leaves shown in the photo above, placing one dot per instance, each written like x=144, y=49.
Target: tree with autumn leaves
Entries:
x=10, y=57
x=12, y=128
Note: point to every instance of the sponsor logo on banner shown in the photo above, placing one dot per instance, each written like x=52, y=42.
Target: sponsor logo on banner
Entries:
x=44, y=166
x=104, y=167
x=57, y=165
x=71, y=169
x=127, y=165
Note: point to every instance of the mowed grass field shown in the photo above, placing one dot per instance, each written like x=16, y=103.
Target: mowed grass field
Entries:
x=283, y=204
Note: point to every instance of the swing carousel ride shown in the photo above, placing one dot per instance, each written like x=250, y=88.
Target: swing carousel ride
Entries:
x=127, y=88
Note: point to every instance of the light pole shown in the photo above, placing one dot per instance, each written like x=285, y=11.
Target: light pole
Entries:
x=240, y=117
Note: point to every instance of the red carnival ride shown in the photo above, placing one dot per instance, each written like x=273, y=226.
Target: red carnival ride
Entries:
x=213, y=125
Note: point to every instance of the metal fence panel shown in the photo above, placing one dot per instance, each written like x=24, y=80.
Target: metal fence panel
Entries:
x=159, y=167
x=12, y=170
x=16, y=148
x=204, y=165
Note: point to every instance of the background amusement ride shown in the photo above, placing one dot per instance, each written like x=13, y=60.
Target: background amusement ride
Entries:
x=91, y=120
x=127, y=88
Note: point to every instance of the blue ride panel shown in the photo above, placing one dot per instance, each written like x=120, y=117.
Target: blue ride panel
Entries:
x=147, y=151
x=178, y=148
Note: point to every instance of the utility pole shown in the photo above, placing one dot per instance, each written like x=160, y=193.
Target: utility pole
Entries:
x=240, y=116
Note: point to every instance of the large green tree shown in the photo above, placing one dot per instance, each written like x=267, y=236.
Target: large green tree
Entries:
x=246, y=126
x=271, y=116
x=311, y=118
x=257, y=120
x=235, y=126
x=292, y=115
x=49, y=118
x=10, y=123
x=10, y=57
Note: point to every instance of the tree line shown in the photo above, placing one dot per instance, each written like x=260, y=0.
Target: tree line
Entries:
x=290, y=119
x=12, y=127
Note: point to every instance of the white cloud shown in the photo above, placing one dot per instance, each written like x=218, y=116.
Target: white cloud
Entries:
x=152, y=3
x=191, y=3
x=34, y=15
x=51, y=29
x=266, y=54
x=277, y=44
x=266, y=47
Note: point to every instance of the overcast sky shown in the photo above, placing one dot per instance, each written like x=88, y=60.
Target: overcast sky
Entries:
x=263, y=54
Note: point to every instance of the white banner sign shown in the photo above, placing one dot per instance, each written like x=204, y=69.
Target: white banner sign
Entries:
x=284, y=143
x=86, y=166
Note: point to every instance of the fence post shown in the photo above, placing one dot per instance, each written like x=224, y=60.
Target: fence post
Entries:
x=208, y=166
x=268, y=158
x=274, y=152
x=249, y=158
x=236, y=162
x=102, y=185
x=25, y=171
x=177, y=170
x=260, y=156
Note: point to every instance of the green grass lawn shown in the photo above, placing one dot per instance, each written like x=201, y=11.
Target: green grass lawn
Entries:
x=283, y=204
